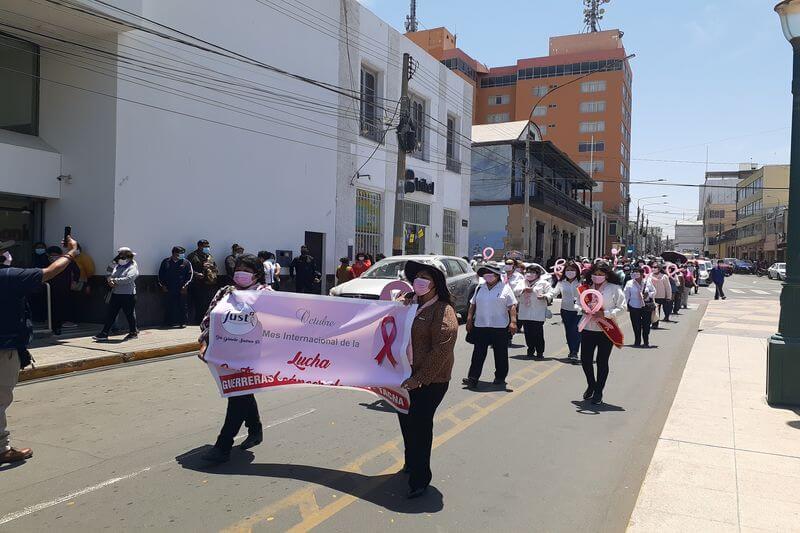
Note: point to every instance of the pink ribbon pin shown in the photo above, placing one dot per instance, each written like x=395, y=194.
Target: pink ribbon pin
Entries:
x=388, y=340
x=591, y=301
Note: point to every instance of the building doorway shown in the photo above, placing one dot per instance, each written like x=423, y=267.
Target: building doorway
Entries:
x=316, y=247
x=21, y=221
x=415, y=239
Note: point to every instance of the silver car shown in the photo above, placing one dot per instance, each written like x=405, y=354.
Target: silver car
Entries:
x=461, y=279
x=777, y=271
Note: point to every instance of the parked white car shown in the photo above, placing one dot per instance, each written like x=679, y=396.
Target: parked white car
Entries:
x=461, y=279
x=703, y=273
x=777, y=271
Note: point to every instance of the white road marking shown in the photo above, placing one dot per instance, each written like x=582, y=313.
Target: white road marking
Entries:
x=757, y=291
x=27, y=511
x=736, y=291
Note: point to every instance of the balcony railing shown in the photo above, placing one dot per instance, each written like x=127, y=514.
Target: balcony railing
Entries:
x=550, y=199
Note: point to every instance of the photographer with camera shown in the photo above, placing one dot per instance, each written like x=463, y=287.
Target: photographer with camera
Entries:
x=16, y=330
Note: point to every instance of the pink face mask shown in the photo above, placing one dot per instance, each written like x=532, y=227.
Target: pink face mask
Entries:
x=490, y=278
x=570, y=274
x=598, y=280
x=422, y=286
x=243, y=279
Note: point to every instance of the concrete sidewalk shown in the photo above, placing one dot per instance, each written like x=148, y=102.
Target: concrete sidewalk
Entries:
x=76, y=350
x=725, y=461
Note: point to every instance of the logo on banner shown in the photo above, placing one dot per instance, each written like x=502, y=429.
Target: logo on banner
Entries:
x=241, y=320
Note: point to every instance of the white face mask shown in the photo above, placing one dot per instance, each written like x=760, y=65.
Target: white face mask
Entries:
x=570, y=274
x=123, y=262
x=6, y=258
x=636, y=276
x=508, y=268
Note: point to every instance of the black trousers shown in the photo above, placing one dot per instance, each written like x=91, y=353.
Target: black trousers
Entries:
x=241, y=409
x=640, y=320
x=497, y=338
x=125, y=302
x=201, y=296
x=718, y=291
x=175, y=305
x=534, y=336
x=591, y=342
x=417, y=429
x=60, y=302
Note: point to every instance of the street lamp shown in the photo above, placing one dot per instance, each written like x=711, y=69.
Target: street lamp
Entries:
x=783, y=352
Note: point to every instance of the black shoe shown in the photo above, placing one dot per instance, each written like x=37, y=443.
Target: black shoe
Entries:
x=499, y=382
x=254, y=438
x=597, y=397
x=131, y=336
x=588, y=393
x=539, y=357
x=530, y=355
x=637, y=344
x=216, y=455
x=101, y=337
x=416, y=493
x=470, y=383
x=646, y=344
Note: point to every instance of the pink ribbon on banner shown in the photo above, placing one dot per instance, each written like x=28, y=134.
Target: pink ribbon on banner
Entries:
x=388, y=339
x=488, y=253
x=397, y=285
x=590, y=307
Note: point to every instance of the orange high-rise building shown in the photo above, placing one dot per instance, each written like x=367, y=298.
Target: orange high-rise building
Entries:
x=588, y=118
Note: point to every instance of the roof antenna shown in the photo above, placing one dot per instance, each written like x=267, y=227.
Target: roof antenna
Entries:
x=593, y=14
x=411, y=18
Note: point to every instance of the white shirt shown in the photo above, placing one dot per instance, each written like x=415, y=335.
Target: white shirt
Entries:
x=269, y=271
x=512, y=278
x=530, y=306
x=569, y=294
x=613, y=304
x=491, y=305
x=633, y=292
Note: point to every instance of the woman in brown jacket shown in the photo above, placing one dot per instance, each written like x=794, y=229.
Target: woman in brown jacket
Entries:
x=433, y=338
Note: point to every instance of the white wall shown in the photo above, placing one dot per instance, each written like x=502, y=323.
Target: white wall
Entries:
x=30, y=167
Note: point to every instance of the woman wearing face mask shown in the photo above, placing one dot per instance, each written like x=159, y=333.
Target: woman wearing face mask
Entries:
x=122, y=281
x=567, y=288
x=492, y=316
x=639, y=293
x=594, y=340
x=533, y=294
x=433, y=339
x=248, y=274
x=663, y=292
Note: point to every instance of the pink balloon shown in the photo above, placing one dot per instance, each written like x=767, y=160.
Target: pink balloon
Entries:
x=647, y=270
x=597, y=298
x=396, y=285
x=558, y=269
x=614, y=251
x=672, y=270
x=561, y=262
x=488, y=253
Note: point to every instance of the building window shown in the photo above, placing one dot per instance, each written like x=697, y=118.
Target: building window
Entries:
x=623, y=150
x=543, y=130
x=593, y=127
x=19, y=71
x=596, y=86
x=593, y=166
x=612, y=228
x=598, y=187
x=368, y=222
x=418, y=116
x=623, y=171
x=599, y=146
x=370, y=114
x=540, y=91
x=539, y=111
x=494, y=118
x=500, y=99
x=570, y=69
x=453, y=164
x=450, y=232
x=593, y=107
x=498, y=81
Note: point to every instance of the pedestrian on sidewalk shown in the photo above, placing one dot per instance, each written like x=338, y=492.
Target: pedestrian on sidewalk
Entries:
x=663, y=292
x=717, y=276
x=594, y=339
x=230, y=260
x=61, y=290
x=303, y=270
x=174, y=277
x=533, y=294
x=640, y=294
x=81, y=291
x=345, y=272
x=360, y=265
x=248, y=274
x=433, y=340
x=678, y=285
x=567, y=288
x=122, y=281
x=689, y=284
x=492, y=316
x=16, y=331
x=204, y=279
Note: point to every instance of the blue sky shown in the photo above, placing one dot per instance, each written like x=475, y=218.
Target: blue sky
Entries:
x=713, y=73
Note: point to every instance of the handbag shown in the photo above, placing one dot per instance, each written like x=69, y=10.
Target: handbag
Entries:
x=471, y=334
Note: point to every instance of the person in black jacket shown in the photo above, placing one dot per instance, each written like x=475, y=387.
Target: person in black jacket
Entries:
x=174, y=277
x=61, y=290
x=303, y=270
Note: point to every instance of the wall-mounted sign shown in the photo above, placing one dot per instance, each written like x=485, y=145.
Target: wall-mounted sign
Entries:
x=415, y=184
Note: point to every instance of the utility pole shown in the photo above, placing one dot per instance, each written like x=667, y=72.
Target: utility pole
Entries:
x=399, y=198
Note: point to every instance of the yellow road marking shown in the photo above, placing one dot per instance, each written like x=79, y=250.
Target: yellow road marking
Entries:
x=312, y=517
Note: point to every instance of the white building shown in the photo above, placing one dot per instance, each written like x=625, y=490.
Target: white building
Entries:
x=136, y=140
x=689, y=236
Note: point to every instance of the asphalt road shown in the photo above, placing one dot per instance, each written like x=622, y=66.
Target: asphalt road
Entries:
x=118, y=449
x=740, y=286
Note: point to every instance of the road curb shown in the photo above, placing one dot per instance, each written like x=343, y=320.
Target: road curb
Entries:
x=105, y=360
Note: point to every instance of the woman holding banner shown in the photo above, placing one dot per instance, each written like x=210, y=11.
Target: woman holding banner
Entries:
x=534, y=294
x=248, y=274
x=433, y=339
x=600, y=332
